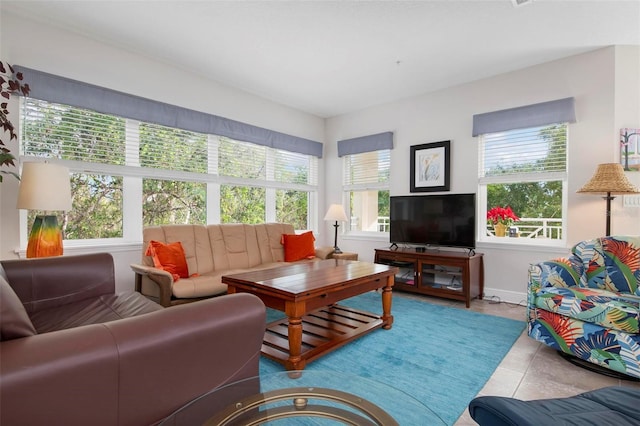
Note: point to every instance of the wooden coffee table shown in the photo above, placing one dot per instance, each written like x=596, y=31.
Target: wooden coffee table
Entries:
x=307, y=293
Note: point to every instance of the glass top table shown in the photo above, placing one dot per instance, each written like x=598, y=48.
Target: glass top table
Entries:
x=305, y=398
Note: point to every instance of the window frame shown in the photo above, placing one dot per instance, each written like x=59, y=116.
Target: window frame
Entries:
x=529, y=177
x=348, y=187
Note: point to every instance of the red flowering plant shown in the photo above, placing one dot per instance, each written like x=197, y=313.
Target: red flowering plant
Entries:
x=503, y=215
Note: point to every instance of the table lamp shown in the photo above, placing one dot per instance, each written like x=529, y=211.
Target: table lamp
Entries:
x=336, y=213
x=609, y=179
x=45, y=187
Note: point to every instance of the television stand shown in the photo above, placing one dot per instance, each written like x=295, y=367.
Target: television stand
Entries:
x=447, y=274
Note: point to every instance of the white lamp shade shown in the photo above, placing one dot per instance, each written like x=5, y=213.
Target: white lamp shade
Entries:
x=336, y=212
x=44, y=186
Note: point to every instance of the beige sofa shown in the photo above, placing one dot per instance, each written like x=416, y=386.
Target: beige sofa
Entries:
x=211, y=251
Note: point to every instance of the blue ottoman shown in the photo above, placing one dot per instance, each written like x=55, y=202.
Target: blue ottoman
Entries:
x=615, y=405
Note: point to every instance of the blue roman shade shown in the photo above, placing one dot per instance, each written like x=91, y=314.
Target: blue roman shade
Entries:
x=53, y=88
x=362, y=144
x=558, y=111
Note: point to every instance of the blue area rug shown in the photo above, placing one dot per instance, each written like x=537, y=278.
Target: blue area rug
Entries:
x=440, y=356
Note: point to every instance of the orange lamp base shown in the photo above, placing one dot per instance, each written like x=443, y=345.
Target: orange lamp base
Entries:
x=45, y=239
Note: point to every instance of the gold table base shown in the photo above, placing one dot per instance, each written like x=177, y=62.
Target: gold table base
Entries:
x=248, y=412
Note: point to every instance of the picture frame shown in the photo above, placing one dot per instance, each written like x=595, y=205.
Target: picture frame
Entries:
x=630, y=149
x=429, y=168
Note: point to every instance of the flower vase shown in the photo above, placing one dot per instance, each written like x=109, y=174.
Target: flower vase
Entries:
x=500, y=230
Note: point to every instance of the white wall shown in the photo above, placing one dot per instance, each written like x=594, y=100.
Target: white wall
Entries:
x=40, y=46
x=598, y=81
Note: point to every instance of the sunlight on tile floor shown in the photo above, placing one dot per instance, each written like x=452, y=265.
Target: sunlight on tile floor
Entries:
x=530, y=370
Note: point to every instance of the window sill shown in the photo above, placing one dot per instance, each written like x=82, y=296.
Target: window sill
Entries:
x=524, y=244
x=92, y=246
x=366, y=236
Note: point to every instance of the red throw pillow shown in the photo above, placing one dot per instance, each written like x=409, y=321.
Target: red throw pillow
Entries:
x=169, y=257
x=298, y=247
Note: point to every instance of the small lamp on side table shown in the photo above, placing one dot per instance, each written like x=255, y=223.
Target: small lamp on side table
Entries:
x=609, y=179
x=337, y=214
x=44, y=186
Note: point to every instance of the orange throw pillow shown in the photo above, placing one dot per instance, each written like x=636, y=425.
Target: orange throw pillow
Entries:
x=298, y=247
x=169, y=257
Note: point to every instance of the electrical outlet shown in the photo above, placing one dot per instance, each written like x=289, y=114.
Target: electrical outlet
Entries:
x=631, y=200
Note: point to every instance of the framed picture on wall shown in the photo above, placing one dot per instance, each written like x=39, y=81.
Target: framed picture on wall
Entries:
x=630, y=149
x=429, y=167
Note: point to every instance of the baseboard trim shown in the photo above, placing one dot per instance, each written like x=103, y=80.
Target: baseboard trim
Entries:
x=515, y=297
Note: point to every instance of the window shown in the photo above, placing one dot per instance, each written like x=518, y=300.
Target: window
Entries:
x=525, y=169
x=67, y=133
x=366, y=188
x=171, y=201
x=166, y=148
x=285, y=197
x=127, y=173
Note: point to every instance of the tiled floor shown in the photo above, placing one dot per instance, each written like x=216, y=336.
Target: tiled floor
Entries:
x=530, y=370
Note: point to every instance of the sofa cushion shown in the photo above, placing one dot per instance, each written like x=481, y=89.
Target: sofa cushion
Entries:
x=93, y=311
x=611, y=405
x=169, y=257
x=298, y=247
x=200, y=286
x=269, y=237
x=194, y=240
x=14, y=321
x=211, y=284
x=601, y=307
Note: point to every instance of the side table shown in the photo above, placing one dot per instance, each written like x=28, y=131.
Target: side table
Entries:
x=345, y=256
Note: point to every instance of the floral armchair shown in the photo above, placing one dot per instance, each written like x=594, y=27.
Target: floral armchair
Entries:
x=588, y=304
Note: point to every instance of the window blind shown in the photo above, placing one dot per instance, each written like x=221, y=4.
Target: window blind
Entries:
x=64, y=132
x=250, y=161
x=68, y=133
x=368, y=143
x=523, y=151
x=56, y=89
x=541, y=114
x=367, y=170
x=165, y=148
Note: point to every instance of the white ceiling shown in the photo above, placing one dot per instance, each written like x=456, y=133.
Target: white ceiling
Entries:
x=333, y=57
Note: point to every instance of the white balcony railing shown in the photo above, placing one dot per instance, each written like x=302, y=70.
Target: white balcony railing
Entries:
x=536, y=227
x=383, y=223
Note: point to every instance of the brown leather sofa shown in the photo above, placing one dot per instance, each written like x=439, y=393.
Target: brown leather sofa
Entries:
x=73, y=352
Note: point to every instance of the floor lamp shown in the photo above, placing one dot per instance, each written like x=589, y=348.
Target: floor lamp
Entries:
x=610, y=180
x=337, y=214
x=45, y=187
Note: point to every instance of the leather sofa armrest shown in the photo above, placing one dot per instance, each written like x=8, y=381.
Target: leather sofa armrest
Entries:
x=54, y=281
x=158, y=277
x=51, y=370
x=132, y=371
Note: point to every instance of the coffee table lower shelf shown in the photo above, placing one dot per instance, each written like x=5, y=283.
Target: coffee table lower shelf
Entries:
x=323, y=330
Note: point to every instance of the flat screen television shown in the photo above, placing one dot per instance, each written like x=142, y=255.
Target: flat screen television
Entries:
x=433, y=220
